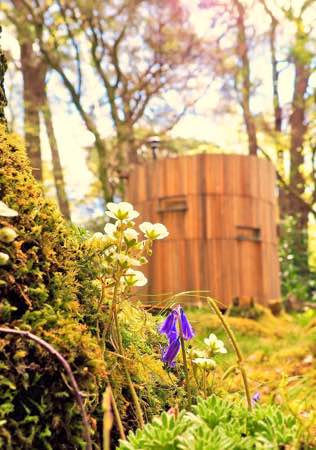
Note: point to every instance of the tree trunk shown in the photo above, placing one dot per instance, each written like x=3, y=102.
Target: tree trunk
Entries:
x=127, y=153
x=57, y=167
x=103, y=171
x=100, y=144
x=33, y=71
x=297, y=207
x=126, y=144
x=242, y=51
x=277, y=109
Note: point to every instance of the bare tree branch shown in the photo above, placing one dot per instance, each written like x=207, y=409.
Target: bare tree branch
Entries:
x=289, y=188
x=75, y=45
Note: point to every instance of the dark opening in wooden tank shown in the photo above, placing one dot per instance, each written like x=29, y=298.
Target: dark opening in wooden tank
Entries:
x=220, y=211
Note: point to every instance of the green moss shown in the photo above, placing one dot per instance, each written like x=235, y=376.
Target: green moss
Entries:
x=48, y=288
x=39, y=292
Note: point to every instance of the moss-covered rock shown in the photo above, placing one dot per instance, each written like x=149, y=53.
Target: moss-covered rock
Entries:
x=47, y=288
x=39, y=292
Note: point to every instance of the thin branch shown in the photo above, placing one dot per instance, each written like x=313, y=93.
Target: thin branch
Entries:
x=75, y=45
x=275, y=72
x=288, y=187
x=97, y=61
x=65, y=364
x=306, y=5
x=313, y=157
x=115, y=57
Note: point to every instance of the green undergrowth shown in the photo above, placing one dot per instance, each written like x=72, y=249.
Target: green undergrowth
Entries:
x=280, y=356
x=217, y=424
x=280, y=361
x=47, y=288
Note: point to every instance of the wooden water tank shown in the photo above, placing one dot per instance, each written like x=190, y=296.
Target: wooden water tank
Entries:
x=220, y=211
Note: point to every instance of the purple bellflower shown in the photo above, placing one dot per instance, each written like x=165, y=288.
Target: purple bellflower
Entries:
x=187, y=329
x=168, y=326
x=255, y=398
x=170, y=352
x=170, y=329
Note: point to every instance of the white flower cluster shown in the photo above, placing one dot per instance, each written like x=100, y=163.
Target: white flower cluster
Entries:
x=204, y=358
x=7, y=234
x=122, y=249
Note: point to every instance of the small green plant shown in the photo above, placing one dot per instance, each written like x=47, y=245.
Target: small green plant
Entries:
x=177, y=329
x=218, y=424
x=239, y=356
x=296, y=279
x=203, y=363
x=119, y=250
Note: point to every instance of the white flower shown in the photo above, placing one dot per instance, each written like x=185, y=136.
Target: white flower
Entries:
x=121, y=211
x=130, y=234
x=97, y=235
x=7, y=235
x=110, y=229
x=4, y=258
x=134, y=278
x=214, y=344
x=5, y=211
x=196, y=353
x=100, y=240
x=154, y=230
x=205, y=363
x=126, y=261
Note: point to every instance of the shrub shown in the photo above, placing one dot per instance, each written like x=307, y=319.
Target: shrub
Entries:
x=297, y=280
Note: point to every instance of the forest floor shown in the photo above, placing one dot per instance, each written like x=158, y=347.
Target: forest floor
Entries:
x=279, y=352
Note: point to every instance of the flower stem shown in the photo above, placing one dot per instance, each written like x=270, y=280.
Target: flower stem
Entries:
x=185, y=365
x=236, y=347
x=138, y=410
x=100, y=303
x=204, y=383
x=107, y=419
x=213, y=378
x=116, y=276
x=114, y=316
x=117, y=415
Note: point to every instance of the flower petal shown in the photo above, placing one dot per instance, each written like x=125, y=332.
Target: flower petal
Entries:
x=187, y=329
x=170, y=352
x=5, y=211
x=169, y=324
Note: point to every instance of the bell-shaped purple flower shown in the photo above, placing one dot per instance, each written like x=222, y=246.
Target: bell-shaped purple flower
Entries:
x=168, y=326
x=187, y=329
x=255, y=398
x=171, y=328
x=173, y=334
x=170, y=352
